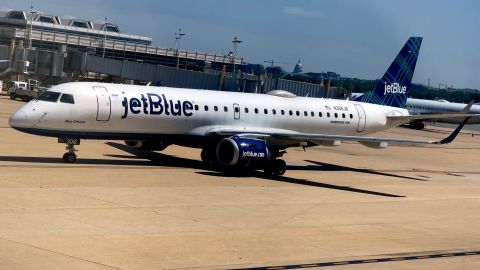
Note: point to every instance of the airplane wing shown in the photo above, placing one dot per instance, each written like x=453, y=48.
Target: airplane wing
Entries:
x=397, y=120
x=293, y=138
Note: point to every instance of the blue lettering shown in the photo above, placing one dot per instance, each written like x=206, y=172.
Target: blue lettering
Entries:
x=145, y=104
x=187, y=107
x=155, y=105
x=134, y=103
x=175, y=107
x=125, y=106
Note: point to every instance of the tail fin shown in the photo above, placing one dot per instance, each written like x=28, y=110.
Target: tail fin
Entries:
x=392, y=89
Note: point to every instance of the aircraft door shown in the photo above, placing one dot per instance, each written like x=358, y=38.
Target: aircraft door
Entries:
x=362, y=119
x=103, y=103
x=236, y=111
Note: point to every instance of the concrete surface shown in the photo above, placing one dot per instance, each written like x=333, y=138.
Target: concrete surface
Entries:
x=116, y=210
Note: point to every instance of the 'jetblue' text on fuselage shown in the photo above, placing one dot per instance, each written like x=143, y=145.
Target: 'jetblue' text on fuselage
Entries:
x=156, y=105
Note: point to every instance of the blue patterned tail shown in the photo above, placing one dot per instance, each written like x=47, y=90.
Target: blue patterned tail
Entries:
x=392, y=89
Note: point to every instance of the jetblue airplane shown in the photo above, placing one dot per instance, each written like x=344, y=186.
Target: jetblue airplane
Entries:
x=417, y=106
x=234, y=130
x=423, y=107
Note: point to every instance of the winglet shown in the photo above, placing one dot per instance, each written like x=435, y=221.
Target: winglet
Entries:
x=454, y=134
x=467, y=108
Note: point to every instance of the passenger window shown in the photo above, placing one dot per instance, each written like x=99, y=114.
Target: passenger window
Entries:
x=343, y=115
x=256, y=110
x=328, y=114
x=282, y=112
x=215, y=108
x=206, y=108
x=225, y=109
x=196, y=108
x=274, y=111
x=320, y=114
x=290, y=112
x=305, y=113
x=312, y=114
x=237, y=109
x=265, y=111
x=67, y=98
x=246, y=110
x=336, y=115
x=351, y=116
x=298, y=113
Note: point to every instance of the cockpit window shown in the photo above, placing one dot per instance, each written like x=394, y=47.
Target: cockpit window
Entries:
x=49, y=96
x=67, y=98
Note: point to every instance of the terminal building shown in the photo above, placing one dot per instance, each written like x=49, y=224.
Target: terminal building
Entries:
x=55, y=49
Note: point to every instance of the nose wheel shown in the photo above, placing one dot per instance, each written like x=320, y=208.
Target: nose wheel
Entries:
x=70, y=156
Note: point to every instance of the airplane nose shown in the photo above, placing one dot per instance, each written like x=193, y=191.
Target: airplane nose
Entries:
x=20, y=119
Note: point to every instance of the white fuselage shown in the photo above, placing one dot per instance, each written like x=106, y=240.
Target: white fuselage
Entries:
x=114, y=111
x=424, y=106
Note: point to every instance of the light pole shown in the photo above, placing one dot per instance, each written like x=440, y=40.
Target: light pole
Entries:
x=104, y=37
x=178, y=40
x=235, y=42
x=31, y=27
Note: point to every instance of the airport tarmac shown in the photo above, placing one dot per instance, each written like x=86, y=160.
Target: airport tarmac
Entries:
x=349, y=207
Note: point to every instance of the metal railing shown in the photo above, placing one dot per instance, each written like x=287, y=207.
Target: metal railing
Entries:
x=122, y=46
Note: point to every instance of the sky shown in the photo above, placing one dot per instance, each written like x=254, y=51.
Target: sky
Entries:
x=355, y=38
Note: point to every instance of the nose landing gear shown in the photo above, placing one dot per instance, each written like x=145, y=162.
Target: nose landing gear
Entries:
x=70, y=156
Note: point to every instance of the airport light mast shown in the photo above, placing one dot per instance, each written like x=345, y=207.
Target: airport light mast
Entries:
x=31, y=28
x=178, y=40
x=235, y=42
x=104, y=37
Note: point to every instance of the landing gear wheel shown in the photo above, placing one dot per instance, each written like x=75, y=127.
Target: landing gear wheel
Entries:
x=276, y=167
x=204, y=156
x=69, y=157
x=208, y=156
x=279, y=167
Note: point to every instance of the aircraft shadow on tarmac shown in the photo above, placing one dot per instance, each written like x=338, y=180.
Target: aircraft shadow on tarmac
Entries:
x=322, y=166
x=305, y=182
x=147, y=158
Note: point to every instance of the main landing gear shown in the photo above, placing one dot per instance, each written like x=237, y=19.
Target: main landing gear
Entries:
x=70, y=156
x=276, y=167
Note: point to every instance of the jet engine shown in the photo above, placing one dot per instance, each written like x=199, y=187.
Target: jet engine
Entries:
x=147, y=145
x=237, y=151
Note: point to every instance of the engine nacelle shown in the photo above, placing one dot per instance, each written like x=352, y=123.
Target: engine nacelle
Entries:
x=237, y=151
x=147, y=145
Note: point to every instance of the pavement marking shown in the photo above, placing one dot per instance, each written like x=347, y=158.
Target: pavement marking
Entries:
x=379, y=260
